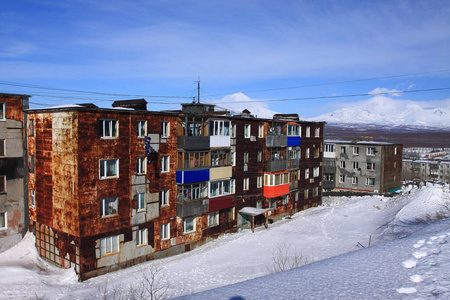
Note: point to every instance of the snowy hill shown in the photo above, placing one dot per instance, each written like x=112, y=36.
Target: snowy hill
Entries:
x=237, y=102
x=383, y=110
x=369, y=247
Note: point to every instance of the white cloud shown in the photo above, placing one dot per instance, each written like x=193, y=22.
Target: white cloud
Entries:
x=380, y=91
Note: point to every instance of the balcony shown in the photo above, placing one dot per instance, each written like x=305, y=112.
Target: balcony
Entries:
x=293, y=164
x=276, y=165
x=193, y=142
x=276, y=140
x=293, y=186
x=293, y=141
x=196, y=207
x=219, y=141
x=191, y=176
x=275, y=191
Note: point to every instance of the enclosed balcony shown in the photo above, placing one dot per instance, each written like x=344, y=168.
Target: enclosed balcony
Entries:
x=191, y=208
x=293, y=186
x=274, y=140
x=193, y=142
x=293, y=164
x=276, y=165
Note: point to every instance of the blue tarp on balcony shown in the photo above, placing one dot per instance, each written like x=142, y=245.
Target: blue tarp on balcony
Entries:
x=293, y=141
x=192, y=176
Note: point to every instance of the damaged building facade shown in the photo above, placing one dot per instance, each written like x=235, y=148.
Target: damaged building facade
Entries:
x=13, y=205
x=110, y=188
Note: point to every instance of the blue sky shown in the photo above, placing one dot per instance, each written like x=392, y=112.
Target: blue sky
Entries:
x=260, y=48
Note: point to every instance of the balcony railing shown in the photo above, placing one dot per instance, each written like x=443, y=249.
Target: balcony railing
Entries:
x=196, y=207
x=276, y=165
x=193, y=142
x=276, y=140
x=293, y=164
x=293, y=186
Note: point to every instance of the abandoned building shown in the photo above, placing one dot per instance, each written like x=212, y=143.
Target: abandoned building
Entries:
x=13, y=204
x=362, y=166
x=112, y=187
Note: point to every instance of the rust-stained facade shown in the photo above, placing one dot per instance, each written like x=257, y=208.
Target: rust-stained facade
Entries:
x=115, y=187
x=13, y=176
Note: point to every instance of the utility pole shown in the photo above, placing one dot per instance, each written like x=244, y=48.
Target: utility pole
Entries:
x=198, y=89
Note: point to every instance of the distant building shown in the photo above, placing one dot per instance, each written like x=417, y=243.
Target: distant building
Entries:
x=115, y=187
x=362, y=165
x=13, y=204
x=427, y=170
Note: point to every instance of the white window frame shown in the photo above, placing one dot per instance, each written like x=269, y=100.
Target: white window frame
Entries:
x=259, y=204
x=355, y=165
x=341, y=178
x=165, y=129
x=141, y=128
x=33, y=198
x=259, y=157
x=140, y=202
x=3, y=184
x=165, y=231
x=371, y=151
x=293, y=130
x=4, y=220
x=355, y=150
x=247, y=131
x=260, y=131
x=141, y=165
x=164, y=195
x=141, y=237
x=307, y=154
x=110, y=128
x=370, y=181
x=220, y=128
x=192, y=191
x=220, y=187
x=213, y=218
x=104, y=173
x=276, y=179
x=343, y=151
x=188, y=225
x=108, y=205
x=342, y=164
x=246, y=157
x=2, y=111
x=233, y=159
x=395, y=150
x=370, y=166
x=246, y=184
x=109, y=245
x=259, y=182
x=306, y=194
x=285, y=200
x=316, y=171
x=307, y=173
x=354, y=180
x=317, y=132
x=165, y=164
x=308, y=131
x=330, y=148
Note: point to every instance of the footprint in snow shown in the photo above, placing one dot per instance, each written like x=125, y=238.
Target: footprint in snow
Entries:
x=419, y=244
x=407, y=290
x=419, y=254
x=410, y=263
x=416, y=278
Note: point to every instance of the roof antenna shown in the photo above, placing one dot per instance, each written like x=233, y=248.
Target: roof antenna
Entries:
x=198, y=89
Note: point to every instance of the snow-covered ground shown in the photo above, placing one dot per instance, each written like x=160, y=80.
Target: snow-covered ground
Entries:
x=408, y=257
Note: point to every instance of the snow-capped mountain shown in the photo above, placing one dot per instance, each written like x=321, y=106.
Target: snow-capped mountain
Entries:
x=386, y=111
x=237, y=102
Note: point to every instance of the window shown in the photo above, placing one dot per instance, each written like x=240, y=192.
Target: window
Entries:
x=276, y=179
x=246, y=184
x=108, y=206
x=328, y=177
x=342, y=149
x=259, y=157
x=293, y=153
x=245, y=157
x=341, y=178
x=342, y=164
x=316, y=172
x=308, y=131
x=370, y=181
x=221, y=187
x=307, y=153
x=219, y=128
x=165, y=164
x=316, y=153
x=165, y=129
x=32, y=198
x=395, y=150
x=259, y=204
x=141, y=237
x=260, y=131
x=272, y=203
x=109, y=129
x=371, y=151
x=315, y=192
x=306, y=173
x=109, y=245
x=233, y=130
x=285, y=199
x=141, y=165
x=165, y=231
x=354, y=180
x=329, y=148
x=3, y=220
x=2, y=184
x=293, y=130
x=213, y=218
x=109, y=168
x=140, y=198
x=317, y=132
x=189, y=225
x=370, y=166
x=194, y=159
x=164, y=194
x=233, y=159
x=306, y=193
x=220, y=158
x=259, y=181
x=247, y=131
x=2, y=110
x=31, y=129
x=355, y=150
x=141, y=128
x=192, y=191
x=355, y=165
x=31, y=163
x=395, y=164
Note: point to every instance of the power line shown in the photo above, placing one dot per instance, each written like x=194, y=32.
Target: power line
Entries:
x=346, y=96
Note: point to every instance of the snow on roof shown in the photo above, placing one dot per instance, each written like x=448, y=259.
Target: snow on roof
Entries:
x=252, y=211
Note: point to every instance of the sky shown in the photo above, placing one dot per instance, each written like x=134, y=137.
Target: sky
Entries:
x=316, y=52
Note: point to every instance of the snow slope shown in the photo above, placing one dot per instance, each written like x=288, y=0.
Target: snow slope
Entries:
x=383, y=110
x=409, y=256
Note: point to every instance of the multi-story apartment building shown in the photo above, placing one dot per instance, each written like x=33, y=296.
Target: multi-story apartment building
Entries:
x=13, y=204
x=427, y=169
x=362, y=165
x=109, y=188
